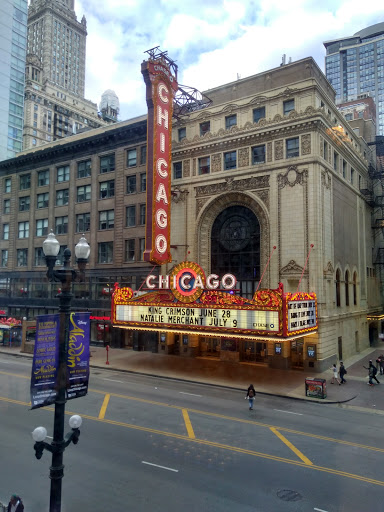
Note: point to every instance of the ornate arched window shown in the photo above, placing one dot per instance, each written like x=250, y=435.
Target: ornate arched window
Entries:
x=338, y=288
x=355, y=288
x=235, y=247
x=347, y=288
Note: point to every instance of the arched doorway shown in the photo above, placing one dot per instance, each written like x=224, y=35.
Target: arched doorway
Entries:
x=235, y=247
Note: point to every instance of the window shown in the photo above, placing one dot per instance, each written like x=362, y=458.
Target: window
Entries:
x=143, y=182
x=143, y=155
x=42, y=200
x=258, y=113
x=84, y=169
x=131, y=184
x=83, y=193
x=352, y=176
x=25, y=182
x=7, y=206
x=230, y=160
x=288, y=106
x=62, y=173
x=325, y=150
x=107, y=219
x=105, y=252
x=39, y=257
x=141, y=248
x=338, y=302
x=142, y=214
x=43, y=178
x=62, y=197
x=205, y=127
x=348, y=117
x=83, y=222
x=61, y=225
x=5, y=231
x=204, y=165
x=4, y=257
x=130, y=216
x=258, y=155
x=107, y=163
x=130, y=250
x=42, y=227
x=24, y=229
x=344, y=168
x=230, y=121
x=22, y=257
x=131, y=158
x=177, y=170
x=7, y=185
x=346, y=288
x=292, y=147
x=107, y=189
x=354, y=289
x=182, y=133
x=335, y=161
x=24, y=204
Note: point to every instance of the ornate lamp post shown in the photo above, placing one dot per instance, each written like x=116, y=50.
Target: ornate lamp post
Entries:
x=65, y=276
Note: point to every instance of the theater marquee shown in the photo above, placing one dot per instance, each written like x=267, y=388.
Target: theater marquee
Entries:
x=184, y=303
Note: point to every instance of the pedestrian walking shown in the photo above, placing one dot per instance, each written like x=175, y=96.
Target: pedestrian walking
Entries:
x=15, y=504
x=251, y=393
x=335, y=375
x=342, y=372
x=372, y=370
x=380, y=364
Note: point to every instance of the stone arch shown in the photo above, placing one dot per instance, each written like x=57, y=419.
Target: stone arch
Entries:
x=208, y=215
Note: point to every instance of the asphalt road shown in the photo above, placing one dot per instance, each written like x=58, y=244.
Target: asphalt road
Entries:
x=150, y=444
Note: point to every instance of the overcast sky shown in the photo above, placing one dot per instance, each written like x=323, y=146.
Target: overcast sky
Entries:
x=212, y=41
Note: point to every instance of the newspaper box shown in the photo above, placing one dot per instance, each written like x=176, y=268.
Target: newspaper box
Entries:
x=316, y=388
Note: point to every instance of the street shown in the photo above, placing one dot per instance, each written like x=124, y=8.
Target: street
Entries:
x=153, y=444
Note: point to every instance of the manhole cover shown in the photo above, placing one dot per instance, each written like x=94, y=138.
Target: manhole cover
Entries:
x=288, y=495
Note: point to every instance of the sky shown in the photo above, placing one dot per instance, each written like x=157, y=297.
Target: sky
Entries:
x=212, y=41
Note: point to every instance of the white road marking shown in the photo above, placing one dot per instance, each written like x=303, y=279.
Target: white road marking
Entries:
x=161, y=467
x=191, y=394
x=289, y=412
x=112, y=380
x=319, y=510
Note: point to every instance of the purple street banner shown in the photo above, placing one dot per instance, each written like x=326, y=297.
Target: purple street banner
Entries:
x=45, y=361
x=78, y=355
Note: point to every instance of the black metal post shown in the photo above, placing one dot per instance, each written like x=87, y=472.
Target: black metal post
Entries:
x=66, y=276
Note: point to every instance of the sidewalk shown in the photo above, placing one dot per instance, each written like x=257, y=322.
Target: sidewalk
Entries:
x=355, y=393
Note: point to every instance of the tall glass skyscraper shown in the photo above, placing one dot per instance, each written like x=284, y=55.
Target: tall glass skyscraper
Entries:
x=13, y=44
x=355, y=66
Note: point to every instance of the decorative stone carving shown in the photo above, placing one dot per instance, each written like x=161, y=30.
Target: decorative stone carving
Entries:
x=186, y=168
x=306, y=144
x=279, y=147
x=310, y=110
x=179, y=195
x=257, y=100
x=243, y=156
x=193, y=166
x=255, y=182
x=292, y=269
x=293, y=114
x=216, y=165
x=263, y=195
x=292, y=177
x=200, y=203
x=329, y=270
x=269, y=151
x=326, y=179
x=262, y=122
x=277, y=118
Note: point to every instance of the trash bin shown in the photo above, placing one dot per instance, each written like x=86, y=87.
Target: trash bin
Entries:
x=316, y=388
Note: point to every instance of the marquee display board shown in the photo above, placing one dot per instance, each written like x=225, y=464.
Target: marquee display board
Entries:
x=184, y=304
x=161, y=86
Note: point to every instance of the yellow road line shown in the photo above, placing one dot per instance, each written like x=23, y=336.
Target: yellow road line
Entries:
x=188, y=424
x=15, y=375
x=104, y=406
x=290, y=445
x=19, y=402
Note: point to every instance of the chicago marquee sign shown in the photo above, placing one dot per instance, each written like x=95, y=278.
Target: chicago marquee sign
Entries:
x=161, y=86
x=188, y=301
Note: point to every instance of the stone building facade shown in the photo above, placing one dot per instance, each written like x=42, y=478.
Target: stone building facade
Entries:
x=273, y=151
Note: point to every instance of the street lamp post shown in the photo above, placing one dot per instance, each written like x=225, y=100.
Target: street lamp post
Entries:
x=65, y=276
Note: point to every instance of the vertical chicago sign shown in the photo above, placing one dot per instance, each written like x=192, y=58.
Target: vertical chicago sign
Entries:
x=161, y=86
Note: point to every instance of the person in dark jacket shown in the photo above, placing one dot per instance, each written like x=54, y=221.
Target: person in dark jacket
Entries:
x=15, y=504
x=251, y=393
x=342, y=372
x=372, y=370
